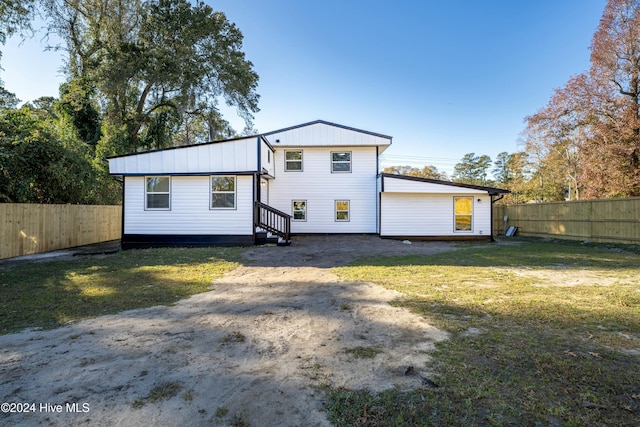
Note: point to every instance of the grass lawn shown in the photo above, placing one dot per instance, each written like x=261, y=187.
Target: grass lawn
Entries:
x=542, y=333
x=54, y=293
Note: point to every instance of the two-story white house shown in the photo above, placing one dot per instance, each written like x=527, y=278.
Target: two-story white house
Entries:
x=318, y=177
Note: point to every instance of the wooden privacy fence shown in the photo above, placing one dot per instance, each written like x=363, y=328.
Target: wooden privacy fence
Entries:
x=32, y=228
x=606, y=220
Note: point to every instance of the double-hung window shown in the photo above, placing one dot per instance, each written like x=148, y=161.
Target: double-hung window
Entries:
x=223, y=192
x=463, y=213
x=293, y=160
x=299, y=209
x=157, y=193
x=342, y=210
x=340, y=161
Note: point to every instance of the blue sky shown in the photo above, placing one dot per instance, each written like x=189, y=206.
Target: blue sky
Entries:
x=443, y=78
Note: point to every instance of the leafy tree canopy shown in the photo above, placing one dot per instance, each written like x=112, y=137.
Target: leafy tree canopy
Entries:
x=472, y=169
x=36, y=166
x=430, y=172
x=15, y=16
x=586, y=140
x=151, y=65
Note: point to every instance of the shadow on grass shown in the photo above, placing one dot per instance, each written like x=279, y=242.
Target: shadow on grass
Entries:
x=51, y=294
x=531, y=253
x=520, y=353
x=507, y=370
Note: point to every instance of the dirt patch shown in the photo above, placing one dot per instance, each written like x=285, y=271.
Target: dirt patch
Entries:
x=249, y=352
x=559, y=275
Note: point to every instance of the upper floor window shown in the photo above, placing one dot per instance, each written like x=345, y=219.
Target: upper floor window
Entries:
x=223, y=192
x=157, y=192
x=341, y=161
x=463, y=213
x=293, y=160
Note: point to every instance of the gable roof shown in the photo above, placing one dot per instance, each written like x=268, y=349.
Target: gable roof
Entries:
x=321, y=133
x=262, y=136
x=324, y=122
x=490, y=190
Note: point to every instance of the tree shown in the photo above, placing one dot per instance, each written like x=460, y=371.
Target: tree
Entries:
x=430, y=172
x=511, y=172
x=555, y=137
x=501, y=172
x=8, y=99
x=203, y=125
x=151, y=62
x=519, y=184
x=590, y=129
x=77, y=104
x=36, y=164
x=15, y=17
x=614, y=144
x=472, y=169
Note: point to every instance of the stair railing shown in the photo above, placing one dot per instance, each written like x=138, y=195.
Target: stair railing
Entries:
x=272, y=220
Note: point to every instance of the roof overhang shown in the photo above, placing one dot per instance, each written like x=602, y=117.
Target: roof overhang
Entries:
x=489, y=190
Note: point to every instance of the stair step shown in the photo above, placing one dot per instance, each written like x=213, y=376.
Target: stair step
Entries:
x=283, y=242
x=263, y=238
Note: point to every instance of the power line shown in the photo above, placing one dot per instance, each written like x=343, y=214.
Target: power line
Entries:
x=418, y=159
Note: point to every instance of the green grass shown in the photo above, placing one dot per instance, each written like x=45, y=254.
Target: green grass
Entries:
x=533, y=342
x=362, y=352
x=162, y=391
x=51, y=294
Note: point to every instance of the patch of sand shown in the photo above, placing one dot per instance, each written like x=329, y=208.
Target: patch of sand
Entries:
x=256, y=345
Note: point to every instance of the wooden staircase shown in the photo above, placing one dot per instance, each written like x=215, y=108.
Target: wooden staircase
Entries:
x=272, y=225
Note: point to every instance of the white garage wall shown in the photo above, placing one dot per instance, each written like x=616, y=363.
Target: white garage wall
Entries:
x=415, y=214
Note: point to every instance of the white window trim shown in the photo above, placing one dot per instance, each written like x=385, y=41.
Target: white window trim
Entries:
x=301, y=160
x=334, y=162
x=456, y=215
x=234, y=192
x=146, y=207
x=293, y=211
x=348, y=211
x=306, y=207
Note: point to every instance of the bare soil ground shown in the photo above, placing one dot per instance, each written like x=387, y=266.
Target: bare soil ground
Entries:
x=248, y=352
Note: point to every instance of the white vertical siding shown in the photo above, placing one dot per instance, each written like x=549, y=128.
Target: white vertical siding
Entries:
x=239, y=155
x=190, y=213
x=321, y=188
x=415, y=214
x=400, y=185
x=267, y=158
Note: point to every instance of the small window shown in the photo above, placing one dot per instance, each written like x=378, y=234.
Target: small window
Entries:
x=342, y=210
x=268, y=156
x=341, y=161
x=293, y=161
x=463, y=213
x=223, y=192
x=299, y=210
x=158, y=192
